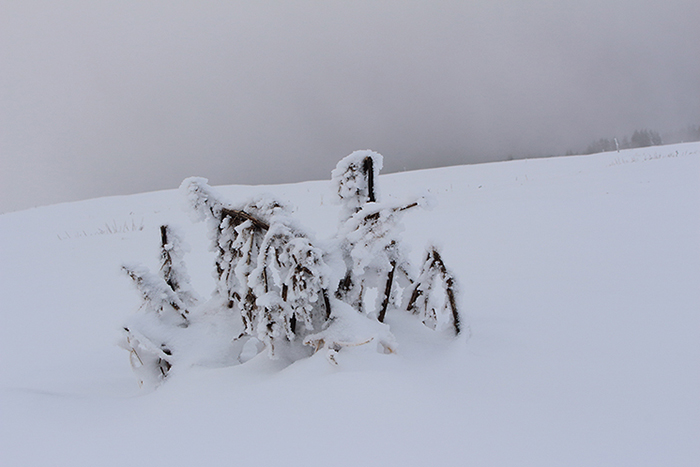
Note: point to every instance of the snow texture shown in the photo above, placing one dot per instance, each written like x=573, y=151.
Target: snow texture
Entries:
x=578, y=281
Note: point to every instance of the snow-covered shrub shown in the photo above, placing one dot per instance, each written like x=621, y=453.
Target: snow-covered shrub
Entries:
x=167, y=293
x=166, y=296
x=370, y=244
x=267, y=267
x=290, y=284
x=173, y=268
x=157, y=295
x=354, y=179
x=287, y=293
x=433, y=297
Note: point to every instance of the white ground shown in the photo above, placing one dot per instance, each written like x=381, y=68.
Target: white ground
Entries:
x=580, y=284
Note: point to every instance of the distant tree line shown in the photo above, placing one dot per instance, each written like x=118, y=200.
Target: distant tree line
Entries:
x=689, y=133
x=644, y=138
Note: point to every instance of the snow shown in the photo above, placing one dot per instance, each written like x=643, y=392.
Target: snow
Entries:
x=352, y=181
x=579, y=296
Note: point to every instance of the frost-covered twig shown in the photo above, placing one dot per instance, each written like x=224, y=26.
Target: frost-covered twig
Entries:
x=157, y=295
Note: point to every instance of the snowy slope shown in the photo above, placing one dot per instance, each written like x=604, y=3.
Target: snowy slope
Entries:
x=579, y=283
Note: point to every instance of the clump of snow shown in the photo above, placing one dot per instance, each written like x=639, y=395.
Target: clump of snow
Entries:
x=347, y=329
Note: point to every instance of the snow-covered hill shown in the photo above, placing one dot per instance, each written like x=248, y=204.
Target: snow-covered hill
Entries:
x=579, y=286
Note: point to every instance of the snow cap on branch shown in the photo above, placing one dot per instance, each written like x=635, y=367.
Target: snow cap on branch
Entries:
x=354, y=179
x=200, y=199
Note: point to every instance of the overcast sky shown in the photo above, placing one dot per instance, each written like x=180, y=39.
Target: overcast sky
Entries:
x=118, y=96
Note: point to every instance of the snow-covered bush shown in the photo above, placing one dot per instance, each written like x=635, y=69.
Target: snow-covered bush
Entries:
x=433, y=297
x=354, y=180
x=172, y=266
x=167, y=299
x=290, y=295
x=168, y=293
x=370, y=244
x=267, y=268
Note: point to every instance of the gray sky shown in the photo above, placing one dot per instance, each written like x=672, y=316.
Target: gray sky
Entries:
x=119, y=96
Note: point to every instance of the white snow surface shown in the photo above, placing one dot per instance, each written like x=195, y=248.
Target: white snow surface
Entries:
x=579, y=291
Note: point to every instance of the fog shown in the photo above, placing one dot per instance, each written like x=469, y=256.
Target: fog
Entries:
x=118, y=97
